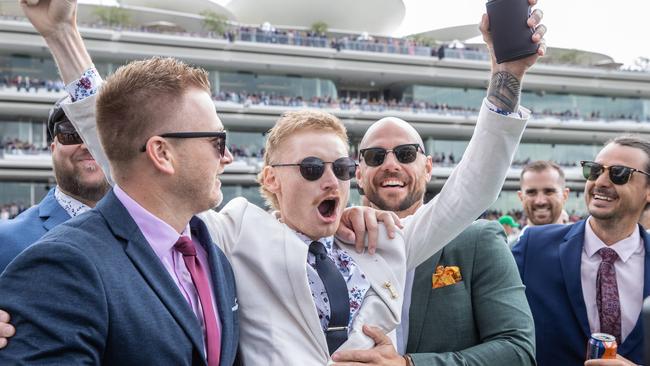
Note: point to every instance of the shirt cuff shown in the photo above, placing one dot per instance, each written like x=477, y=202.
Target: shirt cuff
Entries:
x=495, y=109
x=85, y=86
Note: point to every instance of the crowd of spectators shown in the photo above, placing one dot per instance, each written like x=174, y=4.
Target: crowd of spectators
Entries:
x=14, y=145
x=11, y=210
x=28, y=84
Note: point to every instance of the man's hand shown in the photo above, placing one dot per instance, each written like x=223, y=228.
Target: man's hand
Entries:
x=6, y=329
x=50, y=17
x=56, y=21
x=505, y=85
x=359, y=220
x=383, y=354
x=619, y=361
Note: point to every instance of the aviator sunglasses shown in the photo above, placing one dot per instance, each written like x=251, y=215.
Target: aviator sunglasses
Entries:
x=66, y=134
x=405, y=154
x=618, y=174
x=219, y=139
x=312, y=168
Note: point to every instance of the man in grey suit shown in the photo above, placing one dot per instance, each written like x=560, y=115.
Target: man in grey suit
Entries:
x=465, y=305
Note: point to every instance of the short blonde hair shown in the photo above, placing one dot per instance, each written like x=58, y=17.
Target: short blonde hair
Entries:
x=290, y=123
x=138, y=99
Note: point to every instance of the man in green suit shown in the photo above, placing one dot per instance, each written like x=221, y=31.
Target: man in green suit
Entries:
x=466, y=304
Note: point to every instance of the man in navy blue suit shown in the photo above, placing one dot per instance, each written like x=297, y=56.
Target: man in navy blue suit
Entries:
x=138, y=279
x=592, y=276
x=80, y=185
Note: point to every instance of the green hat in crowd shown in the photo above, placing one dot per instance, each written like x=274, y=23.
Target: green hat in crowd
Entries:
x=508, y=220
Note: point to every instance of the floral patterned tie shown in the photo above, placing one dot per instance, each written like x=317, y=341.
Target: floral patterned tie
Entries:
x=609, y=305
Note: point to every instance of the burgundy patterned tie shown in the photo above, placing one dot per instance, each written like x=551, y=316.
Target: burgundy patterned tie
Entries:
x=609, y=305
x=213, y=339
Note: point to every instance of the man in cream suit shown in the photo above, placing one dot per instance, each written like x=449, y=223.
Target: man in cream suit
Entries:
x=283, y=299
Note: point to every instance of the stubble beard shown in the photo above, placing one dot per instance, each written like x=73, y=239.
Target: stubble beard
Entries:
x=71, y=183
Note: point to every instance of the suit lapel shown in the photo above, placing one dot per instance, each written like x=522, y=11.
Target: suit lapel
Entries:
x=295, y=251
x=420, y=293
x=51, y=212
x=223, y=296
x=636, y=336
x=570, y=252
x=148, y=264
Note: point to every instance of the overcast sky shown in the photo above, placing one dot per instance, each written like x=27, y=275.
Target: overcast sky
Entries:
x=616, y=28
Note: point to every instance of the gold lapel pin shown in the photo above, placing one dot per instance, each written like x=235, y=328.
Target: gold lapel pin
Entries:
x=391, y=288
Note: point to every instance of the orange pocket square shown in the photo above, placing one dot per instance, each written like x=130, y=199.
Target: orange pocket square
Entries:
x=445, y=276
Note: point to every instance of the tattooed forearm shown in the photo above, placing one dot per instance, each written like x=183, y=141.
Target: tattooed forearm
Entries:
x=504, y=91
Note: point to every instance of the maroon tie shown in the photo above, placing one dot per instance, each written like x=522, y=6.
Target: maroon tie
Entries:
x=609, y=305
x=213, y=339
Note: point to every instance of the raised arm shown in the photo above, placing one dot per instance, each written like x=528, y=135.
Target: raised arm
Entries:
x=477, y=180
x=56, y=22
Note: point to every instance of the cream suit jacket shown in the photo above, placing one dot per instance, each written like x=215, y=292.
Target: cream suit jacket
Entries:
x=279, y=323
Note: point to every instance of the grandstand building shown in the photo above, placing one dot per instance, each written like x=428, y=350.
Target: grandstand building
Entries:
x=262, y=63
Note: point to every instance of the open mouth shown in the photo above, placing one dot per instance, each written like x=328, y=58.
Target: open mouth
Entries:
x=327, y=208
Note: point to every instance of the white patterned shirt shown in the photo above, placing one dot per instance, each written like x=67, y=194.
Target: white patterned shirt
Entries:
x=72, y=206
x=354, y=278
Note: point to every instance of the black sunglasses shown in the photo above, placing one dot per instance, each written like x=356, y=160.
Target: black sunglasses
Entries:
x=66, y=134
x=618, y=174
x=312, y=168
x=220, y=143
x=405, y=154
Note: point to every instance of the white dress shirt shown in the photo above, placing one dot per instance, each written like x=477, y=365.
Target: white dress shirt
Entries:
x=629, y=277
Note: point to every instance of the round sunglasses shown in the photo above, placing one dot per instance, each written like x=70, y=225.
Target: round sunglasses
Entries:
x=405, y=154
x=618, y=174
x=312, y=168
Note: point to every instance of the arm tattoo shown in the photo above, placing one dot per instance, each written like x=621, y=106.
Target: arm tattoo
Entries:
x=504, y=91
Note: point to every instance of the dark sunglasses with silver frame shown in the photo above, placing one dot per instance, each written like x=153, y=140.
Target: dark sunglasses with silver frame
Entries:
x=405, y=154
x=312, y=168
x=618, y=174
x=219, y=136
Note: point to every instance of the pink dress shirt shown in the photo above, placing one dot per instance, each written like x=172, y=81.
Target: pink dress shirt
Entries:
x=629, y=277
x=162, y=237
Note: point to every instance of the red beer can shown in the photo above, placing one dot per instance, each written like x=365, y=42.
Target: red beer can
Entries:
x=601, y=345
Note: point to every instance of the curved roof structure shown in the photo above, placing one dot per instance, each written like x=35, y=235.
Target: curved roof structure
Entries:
x=380, y=17
x=184, y=6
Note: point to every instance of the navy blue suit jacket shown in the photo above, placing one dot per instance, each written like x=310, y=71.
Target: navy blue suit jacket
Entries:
x=24, y=230
x=93, y=292
x=549, y=259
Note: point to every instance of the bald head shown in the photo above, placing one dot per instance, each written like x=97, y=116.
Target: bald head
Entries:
x=385, y=127
x=390, y=183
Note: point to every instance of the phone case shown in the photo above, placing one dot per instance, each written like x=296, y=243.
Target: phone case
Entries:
x=510, y=32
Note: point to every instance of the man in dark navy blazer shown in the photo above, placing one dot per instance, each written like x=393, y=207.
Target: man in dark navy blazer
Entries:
x=80, y=185
x=592, y=276
x=137, y=280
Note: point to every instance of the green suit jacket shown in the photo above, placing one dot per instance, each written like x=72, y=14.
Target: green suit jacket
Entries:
x=482, y=320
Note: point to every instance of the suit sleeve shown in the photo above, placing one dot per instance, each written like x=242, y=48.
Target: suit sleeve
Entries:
x=503, y=317
x=519, y=252
x=82, y=115
x=56, y=301
x=471, y=188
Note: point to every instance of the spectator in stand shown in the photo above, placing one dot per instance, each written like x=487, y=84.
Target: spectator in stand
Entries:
x=510, y=226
